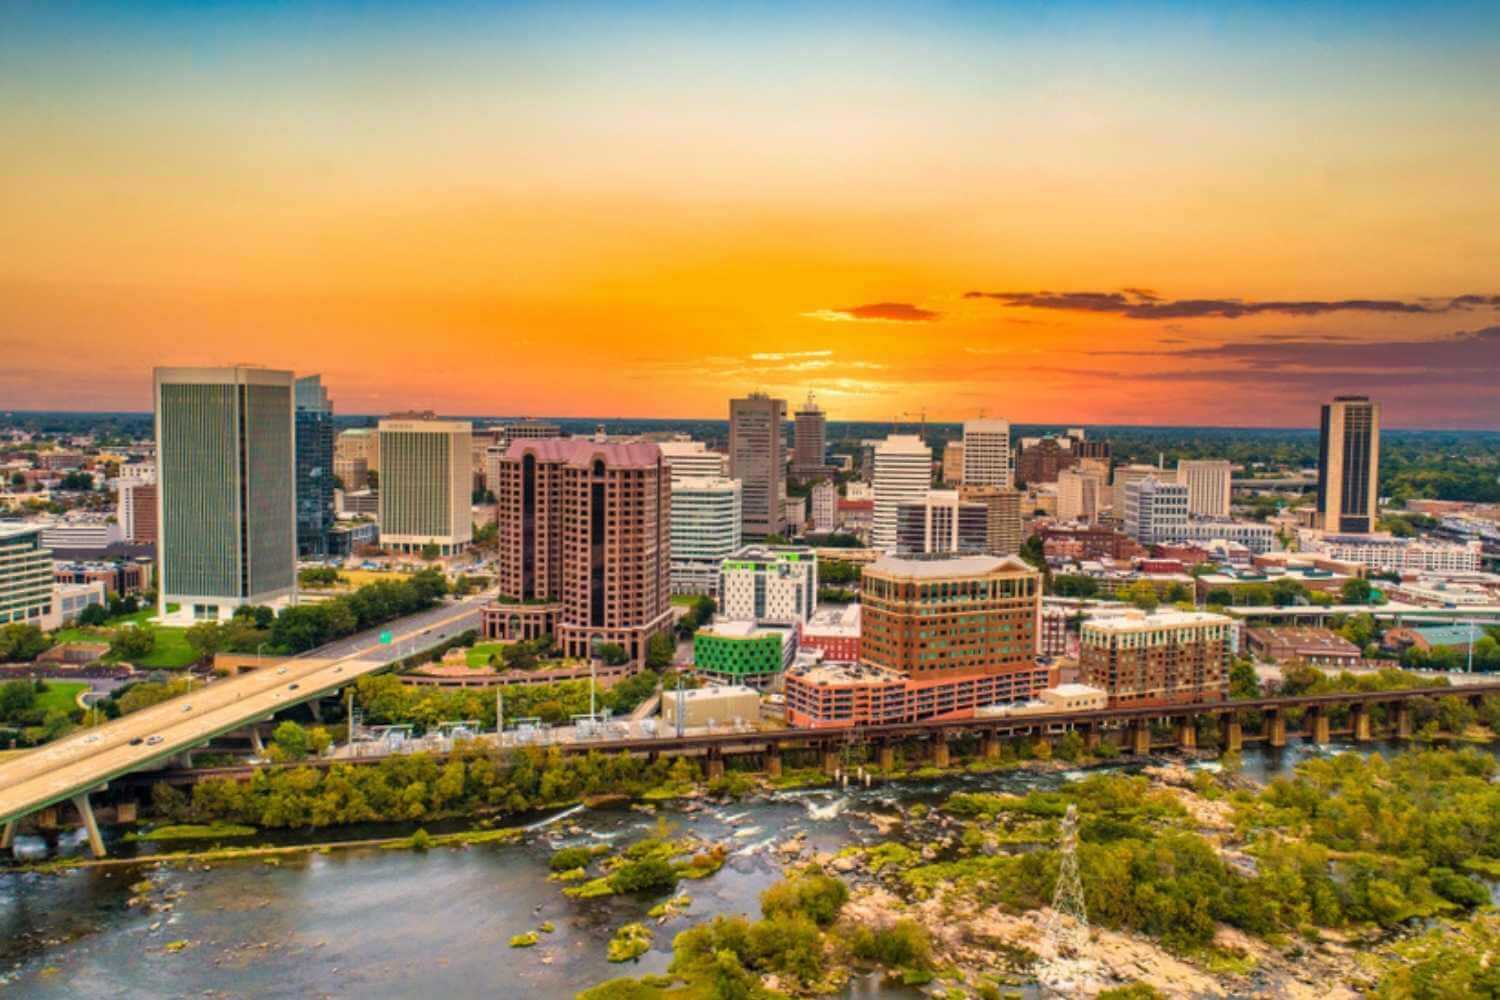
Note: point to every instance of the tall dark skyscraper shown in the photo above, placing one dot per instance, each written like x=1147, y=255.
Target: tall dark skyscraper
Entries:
x=757, y=458
x=1349, y=466
x=314, y=466
x=809, y=442
x=226, y=474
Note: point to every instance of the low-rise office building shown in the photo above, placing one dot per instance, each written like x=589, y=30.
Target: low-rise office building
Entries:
x=834, y=632
x=739, y=652
x=718, y=704
x=1319, y=647
x=773, y=585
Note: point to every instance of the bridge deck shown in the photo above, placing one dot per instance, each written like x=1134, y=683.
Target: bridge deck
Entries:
x=92, y=757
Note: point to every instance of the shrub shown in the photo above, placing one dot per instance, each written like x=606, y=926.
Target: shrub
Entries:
x=816, y=896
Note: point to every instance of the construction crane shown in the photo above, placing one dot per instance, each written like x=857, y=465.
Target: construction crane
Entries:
x=916, y=415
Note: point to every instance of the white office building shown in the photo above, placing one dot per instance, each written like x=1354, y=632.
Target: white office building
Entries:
x=1383, y=552
x=1156, y=511
x=426, y=480
x=825, y=507
x=693, y=460
x=771, y=585
x=706, y=528
x=987, y=453
x=1208, y=483
x=903, y=474
x=26, y=592
x=1079, y=495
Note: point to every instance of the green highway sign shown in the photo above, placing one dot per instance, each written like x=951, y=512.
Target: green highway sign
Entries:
x=385, y=637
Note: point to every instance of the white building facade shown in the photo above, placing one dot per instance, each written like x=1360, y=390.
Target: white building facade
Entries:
x=706, y=528
x=903, y=474
x=772, y=585
x=987, y=453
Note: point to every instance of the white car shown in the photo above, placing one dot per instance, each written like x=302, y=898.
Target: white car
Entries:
x=153, y=741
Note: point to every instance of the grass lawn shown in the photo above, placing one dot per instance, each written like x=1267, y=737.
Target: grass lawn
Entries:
x=359, y=577
x=684, y=600
x=60, y=696
x=171, y=652
x=479, y=654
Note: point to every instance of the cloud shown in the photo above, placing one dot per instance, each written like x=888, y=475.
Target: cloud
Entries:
x=1139, y=303
x=876, y=312
x=790, y=355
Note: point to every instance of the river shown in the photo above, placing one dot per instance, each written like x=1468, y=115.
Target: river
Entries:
x=380, y=923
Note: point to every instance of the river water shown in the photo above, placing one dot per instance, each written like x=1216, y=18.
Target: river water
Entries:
x=383, y=923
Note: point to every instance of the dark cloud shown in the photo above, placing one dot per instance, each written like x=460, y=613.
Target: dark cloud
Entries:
x=878, y=312
x=1138, y=303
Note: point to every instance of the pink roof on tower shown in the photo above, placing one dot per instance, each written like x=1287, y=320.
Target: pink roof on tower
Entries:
x=582, y=452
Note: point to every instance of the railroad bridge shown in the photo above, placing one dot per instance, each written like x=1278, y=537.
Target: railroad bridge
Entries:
x=1230, y=725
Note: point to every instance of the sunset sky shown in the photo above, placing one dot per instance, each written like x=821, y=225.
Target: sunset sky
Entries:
x=1065, y=212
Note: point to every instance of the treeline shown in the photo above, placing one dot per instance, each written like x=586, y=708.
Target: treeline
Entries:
x=1345, y=841
x=387, y=700
x=307, y=626
x=473, y=780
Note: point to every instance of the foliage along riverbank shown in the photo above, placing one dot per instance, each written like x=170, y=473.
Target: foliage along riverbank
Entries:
x=1319, y=884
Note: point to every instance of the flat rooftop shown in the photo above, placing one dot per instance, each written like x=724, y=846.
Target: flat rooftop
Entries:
x=954, y=566
x=1139, y=621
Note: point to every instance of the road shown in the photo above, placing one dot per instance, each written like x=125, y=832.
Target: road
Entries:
x=91, y=757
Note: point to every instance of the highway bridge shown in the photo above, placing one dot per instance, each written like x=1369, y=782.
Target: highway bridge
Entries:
x=1132, y=726
x=1484, y=614
x=67, y=770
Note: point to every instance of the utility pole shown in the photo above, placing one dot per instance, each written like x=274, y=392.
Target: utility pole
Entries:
x=499, y=716
x=681, y=703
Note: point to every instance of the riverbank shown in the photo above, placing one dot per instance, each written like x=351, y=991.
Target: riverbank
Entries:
x=970, y=855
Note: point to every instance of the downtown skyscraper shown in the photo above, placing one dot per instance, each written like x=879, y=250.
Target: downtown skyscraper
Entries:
x=757, y=458
x=1349, y=466
x=226, y=488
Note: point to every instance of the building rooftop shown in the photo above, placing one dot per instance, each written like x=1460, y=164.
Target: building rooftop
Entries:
x=943, y=568
x=1449, y=635
x=741, y=629
x=1136, y=621
x=1305, y=639
x=835, y=621
x=581, y=452
x=15, y=530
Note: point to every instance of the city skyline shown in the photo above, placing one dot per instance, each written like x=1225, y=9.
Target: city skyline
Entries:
x=1129, y=215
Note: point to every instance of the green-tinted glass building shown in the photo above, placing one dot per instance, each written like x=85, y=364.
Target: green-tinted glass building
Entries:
x=226, y=493
x=741, y=652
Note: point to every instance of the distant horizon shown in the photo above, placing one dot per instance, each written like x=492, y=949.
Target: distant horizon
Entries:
x=1045, y=424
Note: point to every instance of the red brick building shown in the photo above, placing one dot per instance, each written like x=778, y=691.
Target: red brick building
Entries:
x=585, y=550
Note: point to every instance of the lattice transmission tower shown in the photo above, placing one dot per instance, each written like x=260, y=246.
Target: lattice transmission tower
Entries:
x=1067, y=927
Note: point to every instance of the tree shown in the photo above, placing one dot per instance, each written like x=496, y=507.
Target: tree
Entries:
x=206, y=638
x=292, y=740
x=1142, y=594
x=1356, y=591
x=1221, y=596
x=1244, y=682
x=22, y=643
x=132, y=643
x=519, y=656
x=16, y=697
x=660, y=651
x=93, y=615
x=430, y=552
x=613, y=654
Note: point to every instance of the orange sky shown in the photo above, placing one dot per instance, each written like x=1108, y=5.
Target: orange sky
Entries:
x=555, y=214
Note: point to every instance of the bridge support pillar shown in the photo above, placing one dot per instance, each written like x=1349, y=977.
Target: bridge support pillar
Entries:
x=185, y=760
x=1403, y=722
x=715, y=766
x=940, y=754
x=830, y=762
x=989, y=746
x=316, y=709
x=773, y=761
x=1091, y=737
x=126, y=811
x=8, y=838
x=886, y=756
x=86, y=811
x=1319, y=728
x=1187, y=733
x=1232, y=736
x=255, y=741
x=1275, y=729
x=47, y=818
x=1140, y=737
x=1361, y=717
